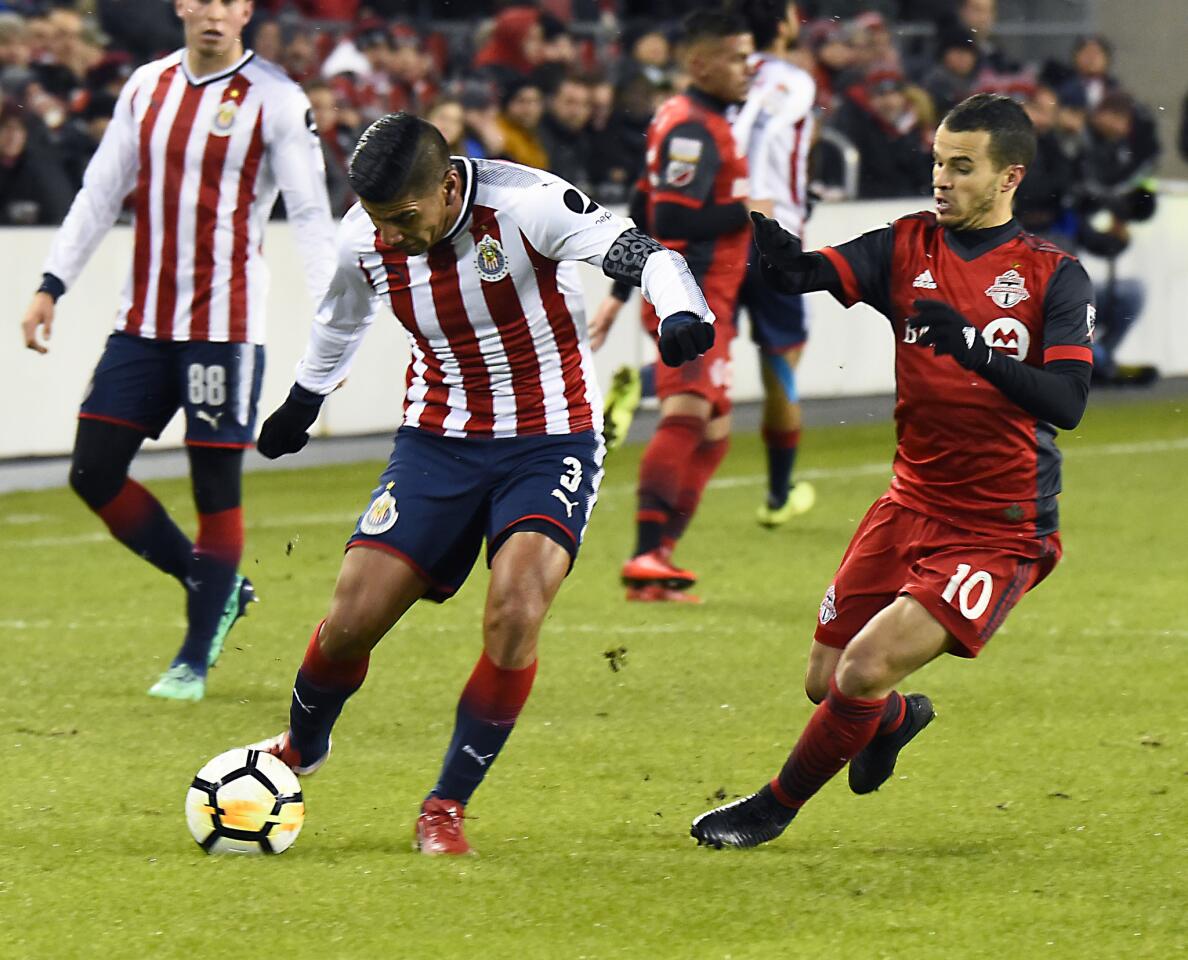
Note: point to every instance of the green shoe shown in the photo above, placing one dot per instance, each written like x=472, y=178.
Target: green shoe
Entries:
x=800, y=500
x=179, y=682
x=242, y=594
x=621, y=403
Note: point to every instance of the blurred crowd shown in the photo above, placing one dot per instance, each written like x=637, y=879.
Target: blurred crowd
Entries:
x=575, y=96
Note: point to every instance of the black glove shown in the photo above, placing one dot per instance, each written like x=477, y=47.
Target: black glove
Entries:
x=782, y=261
x=286, y=430
x=949, y=333
x=684, y=336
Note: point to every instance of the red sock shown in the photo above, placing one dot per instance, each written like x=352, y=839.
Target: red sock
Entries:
x=706, y=459
x=661, y=476
x=136, y=518
x=839, y=728
x=893, y=714
x=332, y=674
x=496, y=695
x=220, y=536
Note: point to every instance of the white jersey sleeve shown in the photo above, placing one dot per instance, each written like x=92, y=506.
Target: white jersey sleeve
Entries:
x=346, y=311
x=300, y=170
x=109, y=178
x=564, y=224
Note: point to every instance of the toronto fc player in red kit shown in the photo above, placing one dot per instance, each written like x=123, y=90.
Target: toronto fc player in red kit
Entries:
x=993, y=329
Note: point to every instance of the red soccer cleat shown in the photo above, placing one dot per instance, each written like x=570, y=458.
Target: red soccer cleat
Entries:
x=280, y=747
x=655, y=593
x=655, y=567
x=439, y=829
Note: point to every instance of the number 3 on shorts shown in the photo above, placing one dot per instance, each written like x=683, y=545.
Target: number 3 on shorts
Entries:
x=964, y=587
x=571, y=479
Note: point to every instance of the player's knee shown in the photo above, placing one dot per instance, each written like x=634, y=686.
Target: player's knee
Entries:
x=512, y=620
x=864, y=670
x=95, y=482
x=345, y=637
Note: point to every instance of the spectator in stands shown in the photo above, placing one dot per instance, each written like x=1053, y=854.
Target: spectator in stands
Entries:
x=564, y=131
x=980, y=17
x=873, y=46
x=1045, y=198
x=878, y=119
x=447, y=115
x=834, y=60
x=34, y=188
x=648, y=53
x=559, y=54
x=480, y=113
x=358, y=70
x=299, y=53
x=338, y=143
x=414, y=84
x=146, y=29
x=14, y=53
x=1091, y=71
x=267, y=40
x=111, y=73
x=514, y=48
x=617, y=150
x=523, y=106
x=79, y=138
x=953, y=76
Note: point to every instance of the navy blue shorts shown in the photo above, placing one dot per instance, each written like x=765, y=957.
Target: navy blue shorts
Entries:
x=141, y=383
x=440, y=497
x=777, y=319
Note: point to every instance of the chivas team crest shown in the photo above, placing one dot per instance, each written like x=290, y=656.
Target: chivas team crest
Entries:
x=1008, y=290
x=225, y=118
x=381, y=516
x=490, y=260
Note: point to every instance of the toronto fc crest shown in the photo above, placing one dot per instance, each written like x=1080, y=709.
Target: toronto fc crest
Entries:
x=490, y=260
x=828, y=606
x=1008, y=290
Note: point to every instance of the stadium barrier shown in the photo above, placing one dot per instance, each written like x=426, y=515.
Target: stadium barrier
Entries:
x=846, y=354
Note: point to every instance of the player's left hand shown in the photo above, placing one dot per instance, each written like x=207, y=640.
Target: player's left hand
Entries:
x=286, y=431
x=948, y=333
x=684, y=336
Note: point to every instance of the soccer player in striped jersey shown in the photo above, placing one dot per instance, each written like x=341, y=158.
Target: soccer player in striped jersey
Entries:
x=993, y=330
x=203, y=140
x=775, y=130
x=502, y=432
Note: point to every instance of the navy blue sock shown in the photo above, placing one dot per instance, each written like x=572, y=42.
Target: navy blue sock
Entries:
x=320, y=691
x=485, y=718
x=781, y=458
x=208, y=585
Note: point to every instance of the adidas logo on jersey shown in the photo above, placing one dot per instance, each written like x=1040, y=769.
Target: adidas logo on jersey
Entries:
x=925, y=281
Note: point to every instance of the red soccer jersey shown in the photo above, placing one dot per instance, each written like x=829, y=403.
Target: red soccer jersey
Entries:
x=692, y=161
x=966, y=454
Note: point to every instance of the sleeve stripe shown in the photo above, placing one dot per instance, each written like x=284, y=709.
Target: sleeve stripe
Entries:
x=1068, y=352
x=678, y=198
x=846, y=273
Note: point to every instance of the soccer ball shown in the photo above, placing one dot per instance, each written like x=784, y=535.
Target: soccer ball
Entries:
x=245, y=801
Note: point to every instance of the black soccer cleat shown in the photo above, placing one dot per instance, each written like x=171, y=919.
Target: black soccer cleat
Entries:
x=744, y=823
x=876, y=762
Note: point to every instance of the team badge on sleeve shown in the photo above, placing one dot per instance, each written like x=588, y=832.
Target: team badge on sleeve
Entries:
x=490, y=260
x=828, y=606
x=1008, y=290
x=382, y=515
x=683, y=154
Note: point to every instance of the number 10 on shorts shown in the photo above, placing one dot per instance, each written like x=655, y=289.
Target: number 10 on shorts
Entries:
x=972, y=592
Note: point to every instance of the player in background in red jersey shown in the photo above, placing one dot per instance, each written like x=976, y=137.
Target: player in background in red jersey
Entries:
x=203, y=139
x=692, y=198
x=993, y=332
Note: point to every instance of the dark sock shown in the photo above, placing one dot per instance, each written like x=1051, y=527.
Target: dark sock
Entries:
x=136, y=518
x=781, y=458
x=839, y=728
x=209, y=578
x=321, y=689
x=487, y=711
x=706, y=460
x=661, y=476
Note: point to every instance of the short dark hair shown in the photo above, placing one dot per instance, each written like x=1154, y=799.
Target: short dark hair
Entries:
x=763, y=18
x=1012, y=137
x=398, y=155
x=711, y=25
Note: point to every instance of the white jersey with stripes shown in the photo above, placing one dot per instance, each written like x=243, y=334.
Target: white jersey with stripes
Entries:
x=494, y=311
x=775, y=130
x=203, y=159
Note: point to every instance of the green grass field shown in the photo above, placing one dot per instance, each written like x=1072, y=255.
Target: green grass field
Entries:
x=1042, y=815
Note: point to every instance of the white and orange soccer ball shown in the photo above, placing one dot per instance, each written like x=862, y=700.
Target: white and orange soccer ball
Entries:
x=244, y=801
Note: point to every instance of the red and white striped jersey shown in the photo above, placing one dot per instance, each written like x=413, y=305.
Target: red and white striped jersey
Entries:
x=204, y=159
x=774, y=129
x=493, y=311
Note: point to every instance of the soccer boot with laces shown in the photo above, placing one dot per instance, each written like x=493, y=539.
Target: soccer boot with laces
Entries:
x=622, y=400
x=744, y=823
x=800, y=500
x=280, y=747
x=875, y=763
x=656, y=568
x=242, y=595
x=179, y=682
x=439, y=828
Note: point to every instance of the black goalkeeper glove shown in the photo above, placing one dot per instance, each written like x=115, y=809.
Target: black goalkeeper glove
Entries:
x=949, y=334
x=782, y=261
x=684, y=336
x=286, y=431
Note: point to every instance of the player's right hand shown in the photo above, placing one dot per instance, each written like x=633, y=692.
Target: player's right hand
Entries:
x=40, y=314
x=603, y=320
x=683, y=337
x=782, y=260
x=287, y=430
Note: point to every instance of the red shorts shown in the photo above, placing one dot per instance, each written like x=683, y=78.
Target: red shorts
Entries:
x=709, y=375
x=969, y=583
